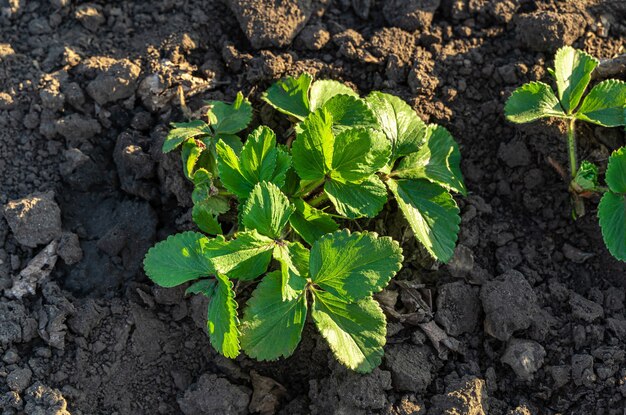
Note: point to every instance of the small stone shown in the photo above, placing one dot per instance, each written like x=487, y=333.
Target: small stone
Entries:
x=19, y=379
x=411, y=366
x=524, y=356
x=509, y=303
x=10, y=357
x=69, y=248
x=561, y=375
x=35, y=219
x=458, y=308
x=584, y=309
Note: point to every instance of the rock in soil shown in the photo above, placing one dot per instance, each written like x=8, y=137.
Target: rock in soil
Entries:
x=524, y=356
x=115, y=79
x=35, y=219
x=510, y=305
x=214, y=395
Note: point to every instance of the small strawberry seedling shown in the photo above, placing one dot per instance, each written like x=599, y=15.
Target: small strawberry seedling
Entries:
x=347, y=154
x=604, y=105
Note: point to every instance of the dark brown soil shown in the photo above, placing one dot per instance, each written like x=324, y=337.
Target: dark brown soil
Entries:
x=529, y=317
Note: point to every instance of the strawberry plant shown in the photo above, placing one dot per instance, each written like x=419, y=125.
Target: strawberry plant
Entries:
x=604, y=105
x=342, y=157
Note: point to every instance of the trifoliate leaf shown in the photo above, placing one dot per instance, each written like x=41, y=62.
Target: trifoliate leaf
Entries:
x=604, y=104
x=431, y=212
x=323, y=90
x=355, y=200
x=612, y=217
x=230, y=118
x=616, y=171
x=244, y=258
x=294, y=267
x=587, y=176
x=183, y=131
x=272, y=326
x=311, y=223
x=349, y=111
x=180, y=258
x=355, y=331
x=359, y=153
x=290, y=96
x=438, y=161
x=267, y=210
x=260, y=161
x=190, y=155
x=531, y=102
x=205, y=287
x=572, y=70
x=312, y=150
x=404, y=129
x=353, y=266
x=206, y=219
x=203, y=186
x=222, y=318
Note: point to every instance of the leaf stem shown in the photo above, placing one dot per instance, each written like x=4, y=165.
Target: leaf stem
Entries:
x=318, y=200
x=571, y=147
x=304, y=191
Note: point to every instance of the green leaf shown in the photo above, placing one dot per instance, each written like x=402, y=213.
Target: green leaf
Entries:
x=311, y=223
x=290, y=96
x=267, y=210
x=355, y=332
x=183, y=131
x=180, y=258
x=612, y=216
x=604, y=105
x=230, y=118
x=206, y=219
x=323, y=90
x=272, y=327
x=431, y=212
x=404, y=129
x=312, y=150
x=232, y=140
x=350, y=111
x=587, y=176
x=294, y=264
x=205, y=287
x=260, y=161
x=244, y=258
x=355, y=200
x=353, y=266
x=616, y=171
x=531, y=102
x=222, y=318
x=190, y=155
x=438, y=161
x=203, y=186
x=358, y=154
x=572, y=70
